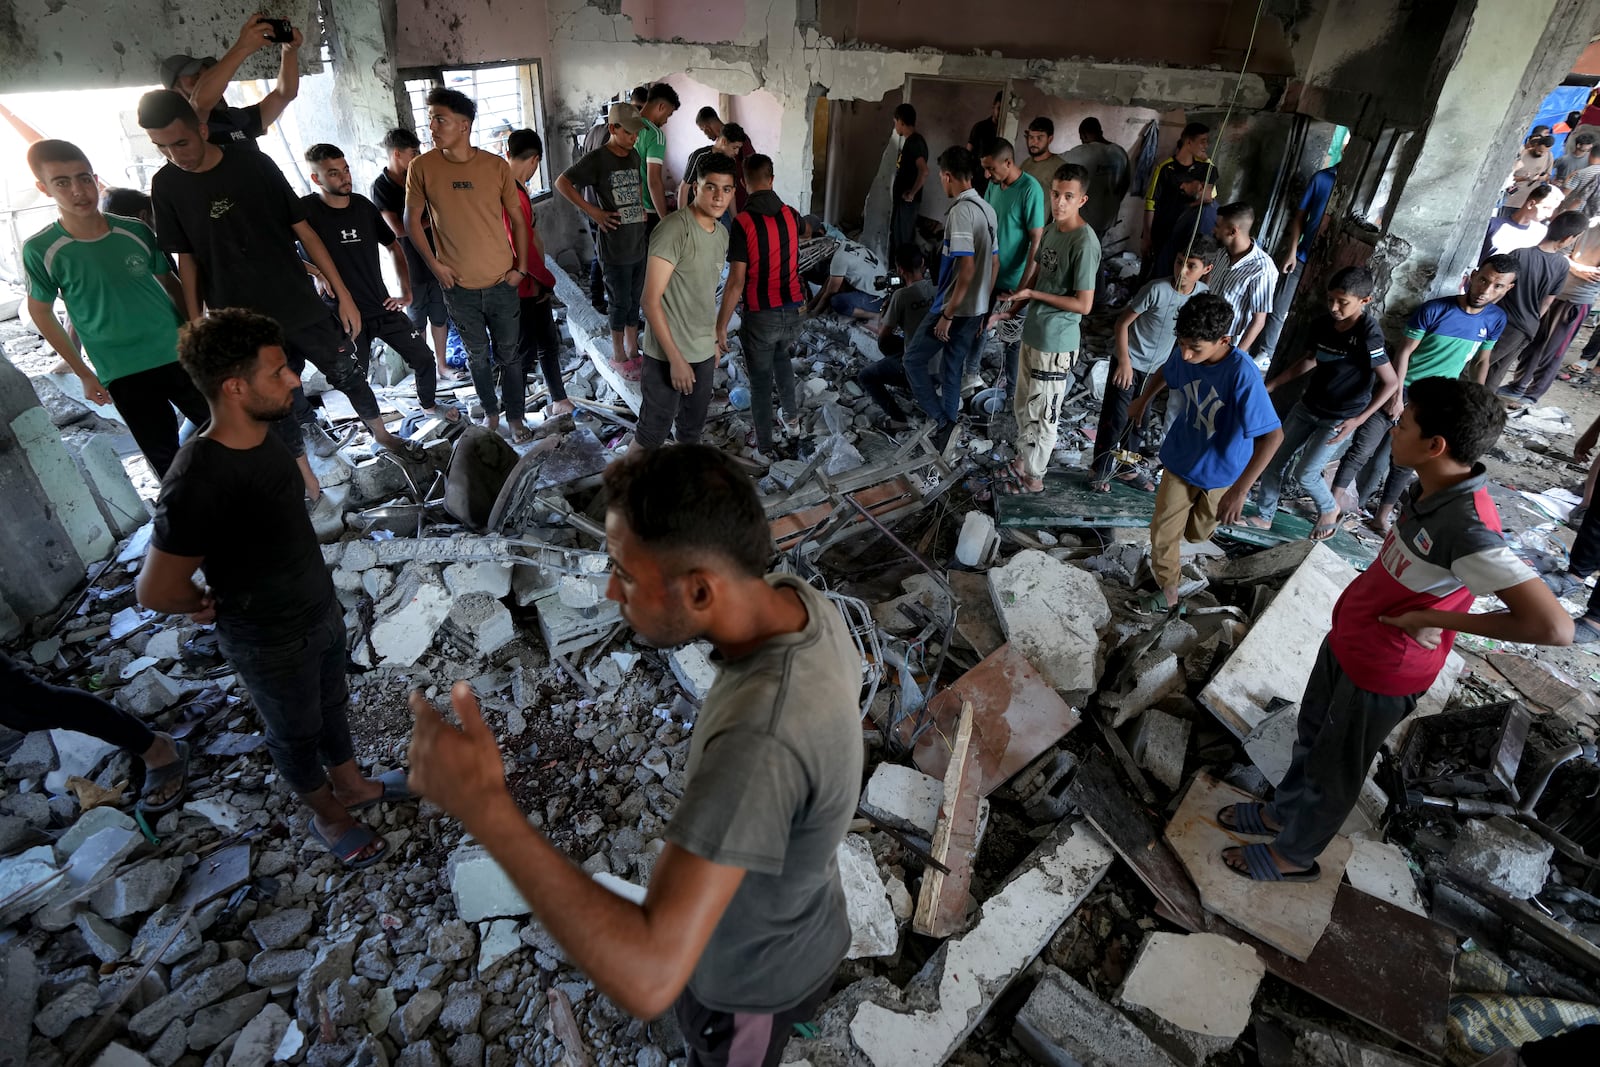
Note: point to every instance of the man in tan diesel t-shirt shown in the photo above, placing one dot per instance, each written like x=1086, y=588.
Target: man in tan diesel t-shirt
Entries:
x=469, y=193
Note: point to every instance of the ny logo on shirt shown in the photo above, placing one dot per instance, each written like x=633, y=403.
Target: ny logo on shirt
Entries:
x=1206, y=410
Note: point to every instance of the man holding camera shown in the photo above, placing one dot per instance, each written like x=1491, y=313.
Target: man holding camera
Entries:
x=203, y=81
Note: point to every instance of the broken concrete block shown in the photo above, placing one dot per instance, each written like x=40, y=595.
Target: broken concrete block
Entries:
x=142, y=888
x=78, y=1002
x=908, y=800
x=117, y=1054
x=1052, y=614
x=967, y=973
x=165, y=645
x=1160, y=744
x=1500, y=853
x=1275, y=658
x=408, y=617
x=415, y=1016
x=90, y=823
x=873, y=930
x=19, y=992
x=259, y=1039
x=496, y=941
x=212, y=1024
x=106, y=941
x=1065, y=1025
x=281, y=928
x=1157, y=675
x=1199, y=982
x=33, y=758
x=1380, y=870
x=1270, y=743
x=76, y=754
x=123, y=510
x=327, y=515
x=484, y=577
x=330, y=470
x=149, y=694
x=482, y=622
x=692, y=667
x=481, y=888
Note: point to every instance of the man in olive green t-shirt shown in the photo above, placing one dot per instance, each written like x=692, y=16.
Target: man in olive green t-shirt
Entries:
x=687, y=251
x=1061, y=295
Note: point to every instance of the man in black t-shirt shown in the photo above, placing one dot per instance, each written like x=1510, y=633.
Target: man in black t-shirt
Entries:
x=232, y=220
x=1351, y=379
x=203, y=81
x=230, y=506
x=352, y=229
x=984, y=133
x=910, y=172
x=1541, y=275
x=426, y=309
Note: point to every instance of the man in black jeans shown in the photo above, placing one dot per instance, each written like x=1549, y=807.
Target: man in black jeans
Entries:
x=28, y=704
x=538, y=342
x=230, y=505
x=764, y=276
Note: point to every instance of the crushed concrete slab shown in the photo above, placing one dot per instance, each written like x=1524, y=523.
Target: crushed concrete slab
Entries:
x=692, y=667
x=496, y=941
x=407, y=618
x=78, y=755
x=1156, y=675
x=1199, y=982
x=489, y=577
x=33, y=758
x=482, y=622
x=967, y=973
x=481, y=887
x=1065, y=1025
x=259, y=1039
x=1160, y=744
x=873, y=931
x=1501, y=853
x=142, y=888
x=1380, y=870
x=1052, y=613
x=908, y=800
x=149, y=694
x=1276, y=656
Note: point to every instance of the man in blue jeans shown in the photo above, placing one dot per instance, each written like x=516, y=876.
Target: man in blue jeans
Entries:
x=1351, y=379
x=230, y=506
x=470, y=193
x=967, y=270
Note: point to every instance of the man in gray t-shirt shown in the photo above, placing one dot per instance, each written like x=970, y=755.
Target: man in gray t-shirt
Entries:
x=967, y=271
x=743, y=924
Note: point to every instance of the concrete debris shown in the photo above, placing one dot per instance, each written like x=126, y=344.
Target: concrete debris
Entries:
x=966, y=974
x=106, y=941
x=33, y=758
x=481, y=888
x=149, y=694
x=1157, y=675
x=873, y=929
x=482, y=622
x=1204, y=983
x=692, y=667
x=1065, y=1025
x=1381, y=870
x=407, y=618
x=141, y=888
x=1052, y=613
x=1501, y=853
x=258, y=1041
x=908, y=800
x=480, y=577
x=1160, y=744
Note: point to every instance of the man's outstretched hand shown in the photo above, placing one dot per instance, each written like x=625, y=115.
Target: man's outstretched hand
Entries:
x=459, y=770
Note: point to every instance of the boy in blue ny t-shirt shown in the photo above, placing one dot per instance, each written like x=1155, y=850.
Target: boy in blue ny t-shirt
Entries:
x=1222, y=438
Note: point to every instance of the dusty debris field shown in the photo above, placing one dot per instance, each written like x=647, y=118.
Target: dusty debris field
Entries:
x=1071, y=920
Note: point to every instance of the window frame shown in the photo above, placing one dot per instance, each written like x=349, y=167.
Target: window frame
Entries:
x=530, y=84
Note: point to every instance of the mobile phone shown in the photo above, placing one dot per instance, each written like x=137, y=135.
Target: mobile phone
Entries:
x=282, y=30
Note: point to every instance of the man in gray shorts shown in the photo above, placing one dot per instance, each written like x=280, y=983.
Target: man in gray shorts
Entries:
x=743, y=924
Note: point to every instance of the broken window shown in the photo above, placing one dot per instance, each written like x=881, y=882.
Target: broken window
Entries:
x=509, y=96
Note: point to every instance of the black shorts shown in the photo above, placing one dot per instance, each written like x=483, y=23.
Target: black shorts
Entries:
x=720, y=1038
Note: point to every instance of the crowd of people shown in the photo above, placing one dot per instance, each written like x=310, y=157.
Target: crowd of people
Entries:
x=744, y=923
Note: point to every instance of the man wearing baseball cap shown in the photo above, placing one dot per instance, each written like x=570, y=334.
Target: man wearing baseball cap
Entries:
x=202, y=81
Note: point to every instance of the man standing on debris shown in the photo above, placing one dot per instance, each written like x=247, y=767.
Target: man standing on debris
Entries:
x=764, y=276
x=1394, y=625
x=1165, y=200
x=470, y=193
x=426, y=310
x=659, y=104
x=966, y=277
x=1221, y=438
x=230, y=506
x=1110, y=174
x=617, y=212
x=1020, y=211
x=539, y=341
x=744, y=921
x=687, y=252
x=123, y=300
x=1041, y=164
x=1062, y=293
x=1246, y=278
x=352, y=230
x=910, y=172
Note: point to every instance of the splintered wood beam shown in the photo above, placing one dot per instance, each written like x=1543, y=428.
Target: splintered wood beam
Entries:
x=942, y=903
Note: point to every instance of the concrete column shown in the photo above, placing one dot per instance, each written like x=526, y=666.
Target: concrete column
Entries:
x=1508, y=58
x=357, y=105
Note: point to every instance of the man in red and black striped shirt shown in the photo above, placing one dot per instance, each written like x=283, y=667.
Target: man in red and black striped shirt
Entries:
x=764, y=276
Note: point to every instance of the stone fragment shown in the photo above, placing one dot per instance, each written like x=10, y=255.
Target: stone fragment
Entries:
x=1052, y=613
x=203, y=989
x=148, y=695
x=1199, y=982
x=461, y=1010
x=106, y=941
x=117, y=1054
x=415, y=1016
x=170, y=1046
x=1157, y=674
x=908, y=800
x=482, y=890
x=279, y=967
x=408, y=617
x=19, y=992
x=1379, y=869
x=1065, y=1025
x=76, y=754
x=873, y=930
x=380, y=1009
x=496, y=941
x=90, y=823
x=488, y=577
x=259, y=1039
x=144, y=887
x=155, y=931
x=482, y=622
x=451, y=941
x=692, y=667
x=1501, y=853
x=333, y=964
x=78, y=1002
x=281, y=928
x=1161, y=743
x=33, y=758
x=210, y=1025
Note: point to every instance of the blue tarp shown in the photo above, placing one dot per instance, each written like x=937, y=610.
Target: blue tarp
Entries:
x=1554, y=110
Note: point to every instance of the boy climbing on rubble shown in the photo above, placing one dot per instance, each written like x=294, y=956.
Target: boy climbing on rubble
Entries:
x=1394, y=626
x=1222, y=435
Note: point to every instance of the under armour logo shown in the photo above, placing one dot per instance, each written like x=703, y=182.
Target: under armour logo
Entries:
x=1205, y=411
x=349, y=235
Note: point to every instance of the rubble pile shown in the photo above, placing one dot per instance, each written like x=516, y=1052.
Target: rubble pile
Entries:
x=1044, y=753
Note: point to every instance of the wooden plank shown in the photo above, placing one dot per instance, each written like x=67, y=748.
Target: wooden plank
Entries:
x=1135, y=836
x=942, y=903
x=1376, y=961
x=1016, y=716
x=1290, y=916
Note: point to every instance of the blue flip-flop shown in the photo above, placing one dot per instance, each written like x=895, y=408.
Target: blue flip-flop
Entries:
x=394, y=789
x=1246, y=819
x=350, y=843
x=1263, y=868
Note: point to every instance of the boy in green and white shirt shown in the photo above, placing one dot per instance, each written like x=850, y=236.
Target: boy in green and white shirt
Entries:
x=123, y=299
x=1061, y=295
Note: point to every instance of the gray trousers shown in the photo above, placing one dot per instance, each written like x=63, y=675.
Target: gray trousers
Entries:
x=1341, y=729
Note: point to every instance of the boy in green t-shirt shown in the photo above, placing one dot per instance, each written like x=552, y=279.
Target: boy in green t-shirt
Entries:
x=1061, y=295
x=123, y=299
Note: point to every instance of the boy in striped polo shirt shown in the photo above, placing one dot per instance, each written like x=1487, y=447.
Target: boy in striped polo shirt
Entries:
x=1246, y=278
x=123, y=299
